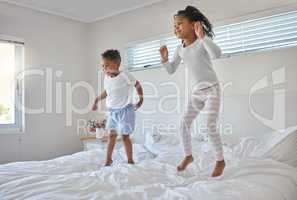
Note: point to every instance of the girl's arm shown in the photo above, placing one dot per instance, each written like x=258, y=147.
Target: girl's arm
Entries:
x=140, y=94
x=173, y=65
x=212, y=49
x=102, y=96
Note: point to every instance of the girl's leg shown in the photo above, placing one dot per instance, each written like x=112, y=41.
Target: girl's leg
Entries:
x=128, y=147
x=111, y=143
x=193, y=108
x=212, y=111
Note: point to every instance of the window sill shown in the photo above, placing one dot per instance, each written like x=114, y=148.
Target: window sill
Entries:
x=11, y=131
x=143, y=68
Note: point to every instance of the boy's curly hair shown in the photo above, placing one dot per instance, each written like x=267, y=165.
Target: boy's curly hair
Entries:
x=111, y=54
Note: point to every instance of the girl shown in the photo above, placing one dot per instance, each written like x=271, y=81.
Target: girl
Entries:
x=196, y=51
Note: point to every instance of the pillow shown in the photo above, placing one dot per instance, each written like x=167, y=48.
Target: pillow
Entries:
x=278, y=145
x=247, y=147
x=151, y=137
x=281, y=146
x=230, y=140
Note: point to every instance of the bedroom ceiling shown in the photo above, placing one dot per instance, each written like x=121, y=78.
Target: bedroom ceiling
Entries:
x=93, y=10
x=84, y=10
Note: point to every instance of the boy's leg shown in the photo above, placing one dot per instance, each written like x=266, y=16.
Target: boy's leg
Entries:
x=111, y=143
x=127, y=126
x=128, y=147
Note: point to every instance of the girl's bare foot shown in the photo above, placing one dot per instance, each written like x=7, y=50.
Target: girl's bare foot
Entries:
x=131, y=162
x=108, y=162
x=219, y=168
x=185, y=162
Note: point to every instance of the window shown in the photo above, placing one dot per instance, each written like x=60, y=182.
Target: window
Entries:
x=263, y=33
x=146, y=55
x=259, y=34
x=11, y=85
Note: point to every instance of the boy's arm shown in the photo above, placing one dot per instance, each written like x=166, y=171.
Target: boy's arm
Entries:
x=140, y=94
x=102, y=96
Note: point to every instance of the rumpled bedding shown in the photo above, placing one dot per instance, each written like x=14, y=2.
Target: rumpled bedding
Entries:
x=154, y=176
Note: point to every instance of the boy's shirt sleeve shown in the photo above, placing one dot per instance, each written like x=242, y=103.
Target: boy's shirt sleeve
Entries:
x=105, y=83
x=131, y=80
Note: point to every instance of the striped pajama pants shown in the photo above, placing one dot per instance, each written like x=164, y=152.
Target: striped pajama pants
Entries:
x=209, y=100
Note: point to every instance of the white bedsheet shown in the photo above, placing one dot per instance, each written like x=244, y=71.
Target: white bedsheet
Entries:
x=82, y=176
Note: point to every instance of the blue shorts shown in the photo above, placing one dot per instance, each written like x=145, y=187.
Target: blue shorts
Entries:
x=121, y=120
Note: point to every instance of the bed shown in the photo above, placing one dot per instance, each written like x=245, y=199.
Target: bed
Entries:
x=256, y=169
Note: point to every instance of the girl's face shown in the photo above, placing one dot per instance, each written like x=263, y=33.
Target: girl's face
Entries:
x=110, y=67
x=183, y=28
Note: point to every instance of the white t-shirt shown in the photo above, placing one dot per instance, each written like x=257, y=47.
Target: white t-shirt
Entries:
x=197, y=58
x=119, y=90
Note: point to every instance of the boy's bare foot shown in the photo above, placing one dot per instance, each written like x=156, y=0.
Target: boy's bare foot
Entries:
x=108, y=162
x=185, y=162
x=131, y=162
x=218, y=169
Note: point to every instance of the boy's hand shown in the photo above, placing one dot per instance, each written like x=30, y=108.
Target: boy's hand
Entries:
x=95, y=107
x=164, y=54
x=102, y=96
x=140, y=95
x=139, y=104
x=199, y=31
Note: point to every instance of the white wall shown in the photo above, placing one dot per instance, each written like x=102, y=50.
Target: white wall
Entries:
x=50, y=42
x=243, y=71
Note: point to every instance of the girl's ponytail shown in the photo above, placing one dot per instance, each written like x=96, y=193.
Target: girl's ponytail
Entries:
x=193, y=14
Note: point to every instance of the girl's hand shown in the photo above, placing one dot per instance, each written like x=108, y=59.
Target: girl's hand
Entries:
x=164, y=54
x=199, y=31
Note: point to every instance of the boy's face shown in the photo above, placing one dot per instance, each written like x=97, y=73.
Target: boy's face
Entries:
x=183, y=27
x=110, y=67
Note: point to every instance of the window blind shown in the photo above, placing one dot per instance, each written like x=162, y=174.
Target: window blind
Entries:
x=263, y=33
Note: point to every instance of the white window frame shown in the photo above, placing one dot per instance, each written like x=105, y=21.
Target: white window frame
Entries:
x=19, y=125
x=167, y=39
x=223, y=40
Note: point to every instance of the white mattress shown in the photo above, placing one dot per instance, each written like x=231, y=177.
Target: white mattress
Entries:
x=82, y=176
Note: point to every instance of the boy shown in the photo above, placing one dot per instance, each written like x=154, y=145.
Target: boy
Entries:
x=118, y=89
